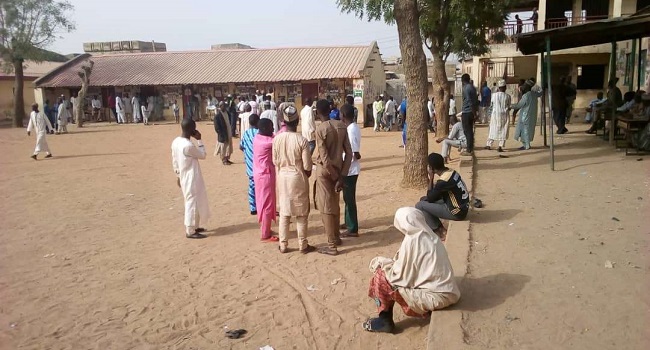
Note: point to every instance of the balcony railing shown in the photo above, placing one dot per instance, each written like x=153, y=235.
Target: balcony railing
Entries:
x=511, y=29
x=553, y=23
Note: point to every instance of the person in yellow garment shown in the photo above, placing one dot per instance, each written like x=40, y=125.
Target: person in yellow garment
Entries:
x=292, y=159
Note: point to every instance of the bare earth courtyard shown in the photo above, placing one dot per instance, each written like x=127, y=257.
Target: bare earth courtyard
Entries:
x=93, y=253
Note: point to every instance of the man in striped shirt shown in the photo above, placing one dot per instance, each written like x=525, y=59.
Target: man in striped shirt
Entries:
x=246, y=145
x=446, y=198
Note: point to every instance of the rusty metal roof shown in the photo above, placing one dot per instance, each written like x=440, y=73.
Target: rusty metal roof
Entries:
x=215, y=67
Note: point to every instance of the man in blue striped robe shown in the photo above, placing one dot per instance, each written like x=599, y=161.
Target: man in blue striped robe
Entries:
x=246, y=146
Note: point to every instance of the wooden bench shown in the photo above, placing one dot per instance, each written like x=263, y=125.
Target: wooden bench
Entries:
x=630, y=126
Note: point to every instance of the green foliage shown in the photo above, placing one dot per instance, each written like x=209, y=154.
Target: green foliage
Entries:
x=374, y=10
x=448, y=26
x=28, y=26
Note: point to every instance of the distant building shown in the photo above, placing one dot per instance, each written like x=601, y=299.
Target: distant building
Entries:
x=130, y=46
x=31, y=72
x=294, y=74
x=231, y=46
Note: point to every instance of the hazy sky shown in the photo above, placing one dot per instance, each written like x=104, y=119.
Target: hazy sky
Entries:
x=197, y=24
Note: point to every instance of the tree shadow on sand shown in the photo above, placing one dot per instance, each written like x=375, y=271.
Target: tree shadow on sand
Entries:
x=487, y=292
x=87, y=155
x=482, y=216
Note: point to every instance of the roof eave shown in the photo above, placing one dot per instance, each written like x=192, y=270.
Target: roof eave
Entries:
x=58, y=69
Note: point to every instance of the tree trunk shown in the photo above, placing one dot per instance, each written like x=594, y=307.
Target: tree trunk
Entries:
x=441, y=93
x=407, y=17
x=19, y=102
x=81, y=97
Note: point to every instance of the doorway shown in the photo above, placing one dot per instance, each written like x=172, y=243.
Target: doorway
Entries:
x=309, y=91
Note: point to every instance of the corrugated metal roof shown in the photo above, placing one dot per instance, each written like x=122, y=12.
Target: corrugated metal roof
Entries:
x=215, y=67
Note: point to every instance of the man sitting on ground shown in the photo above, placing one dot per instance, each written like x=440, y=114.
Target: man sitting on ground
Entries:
x=419, y=278
x=446, y=198
x=456, y=138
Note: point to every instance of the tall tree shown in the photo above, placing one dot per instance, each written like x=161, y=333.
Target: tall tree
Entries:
x=461, y=27
x=406, y=14
x=84, y=75
x=26, y=28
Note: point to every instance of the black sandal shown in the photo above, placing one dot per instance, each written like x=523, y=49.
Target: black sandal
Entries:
x=199, y=230
x=196, y=235
x=379, y=325
x=236, y=334
x=309, y=249
x=329, y=251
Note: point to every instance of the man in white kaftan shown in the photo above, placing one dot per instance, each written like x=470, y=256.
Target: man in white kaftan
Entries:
x=185, y=161
x=499, y=104
x=62, y=116
x=135, y=103
x=38, y=122
x=119, y=107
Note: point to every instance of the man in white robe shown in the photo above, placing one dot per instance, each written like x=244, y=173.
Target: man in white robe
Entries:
x=128, y=108
x=185, y=161
x=119, y=107
x=499, y=105
x=271, y=114
x=135, y=103
x=62, y=116
x=38, y=122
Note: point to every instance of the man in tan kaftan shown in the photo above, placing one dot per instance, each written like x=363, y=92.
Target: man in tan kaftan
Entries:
x=331, y=143
x=292, y=159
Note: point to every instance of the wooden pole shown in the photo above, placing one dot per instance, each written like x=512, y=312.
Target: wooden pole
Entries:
x=612, y=77
x=550, y=100
x=544, y=117
x=630, y=83
x=639, y=72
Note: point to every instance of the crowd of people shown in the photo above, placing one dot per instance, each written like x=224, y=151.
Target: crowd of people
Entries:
x=279, y=160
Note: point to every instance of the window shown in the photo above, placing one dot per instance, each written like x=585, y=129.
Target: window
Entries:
x=591, y=77
x=629, y=68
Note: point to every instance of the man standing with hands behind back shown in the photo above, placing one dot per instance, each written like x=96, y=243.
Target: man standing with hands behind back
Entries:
x=185, y=160
x=470, y=102
x=331, y=142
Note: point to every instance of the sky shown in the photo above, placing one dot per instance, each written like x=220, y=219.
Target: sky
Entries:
x=197, y=24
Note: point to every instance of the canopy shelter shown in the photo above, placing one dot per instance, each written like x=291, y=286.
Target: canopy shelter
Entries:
x=636, y=26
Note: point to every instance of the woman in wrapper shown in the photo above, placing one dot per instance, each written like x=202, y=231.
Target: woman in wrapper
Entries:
x=264, y=178
x=419, y=278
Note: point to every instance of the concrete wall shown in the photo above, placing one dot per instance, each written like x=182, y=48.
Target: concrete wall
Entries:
x=7, y=96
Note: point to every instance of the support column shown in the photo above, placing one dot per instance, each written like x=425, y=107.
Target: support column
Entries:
x=630, y=83
x=550, y=99
x=612, y=76
x=618, y=7
x=576, y=12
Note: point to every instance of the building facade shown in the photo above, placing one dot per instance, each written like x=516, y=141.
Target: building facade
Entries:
x=292, y=74
x=31, y=71
x=587, y=67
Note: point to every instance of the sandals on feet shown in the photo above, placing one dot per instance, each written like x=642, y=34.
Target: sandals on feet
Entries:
x=329, y=251
x=348, y=234
x=378, y=325
x=270, y=239
x=308, y=249
x=196, y=235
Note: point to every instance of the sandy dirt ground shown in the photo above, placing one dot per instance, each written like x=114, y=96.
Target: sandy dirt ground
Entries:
x=541, y=244
x=93, y=253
